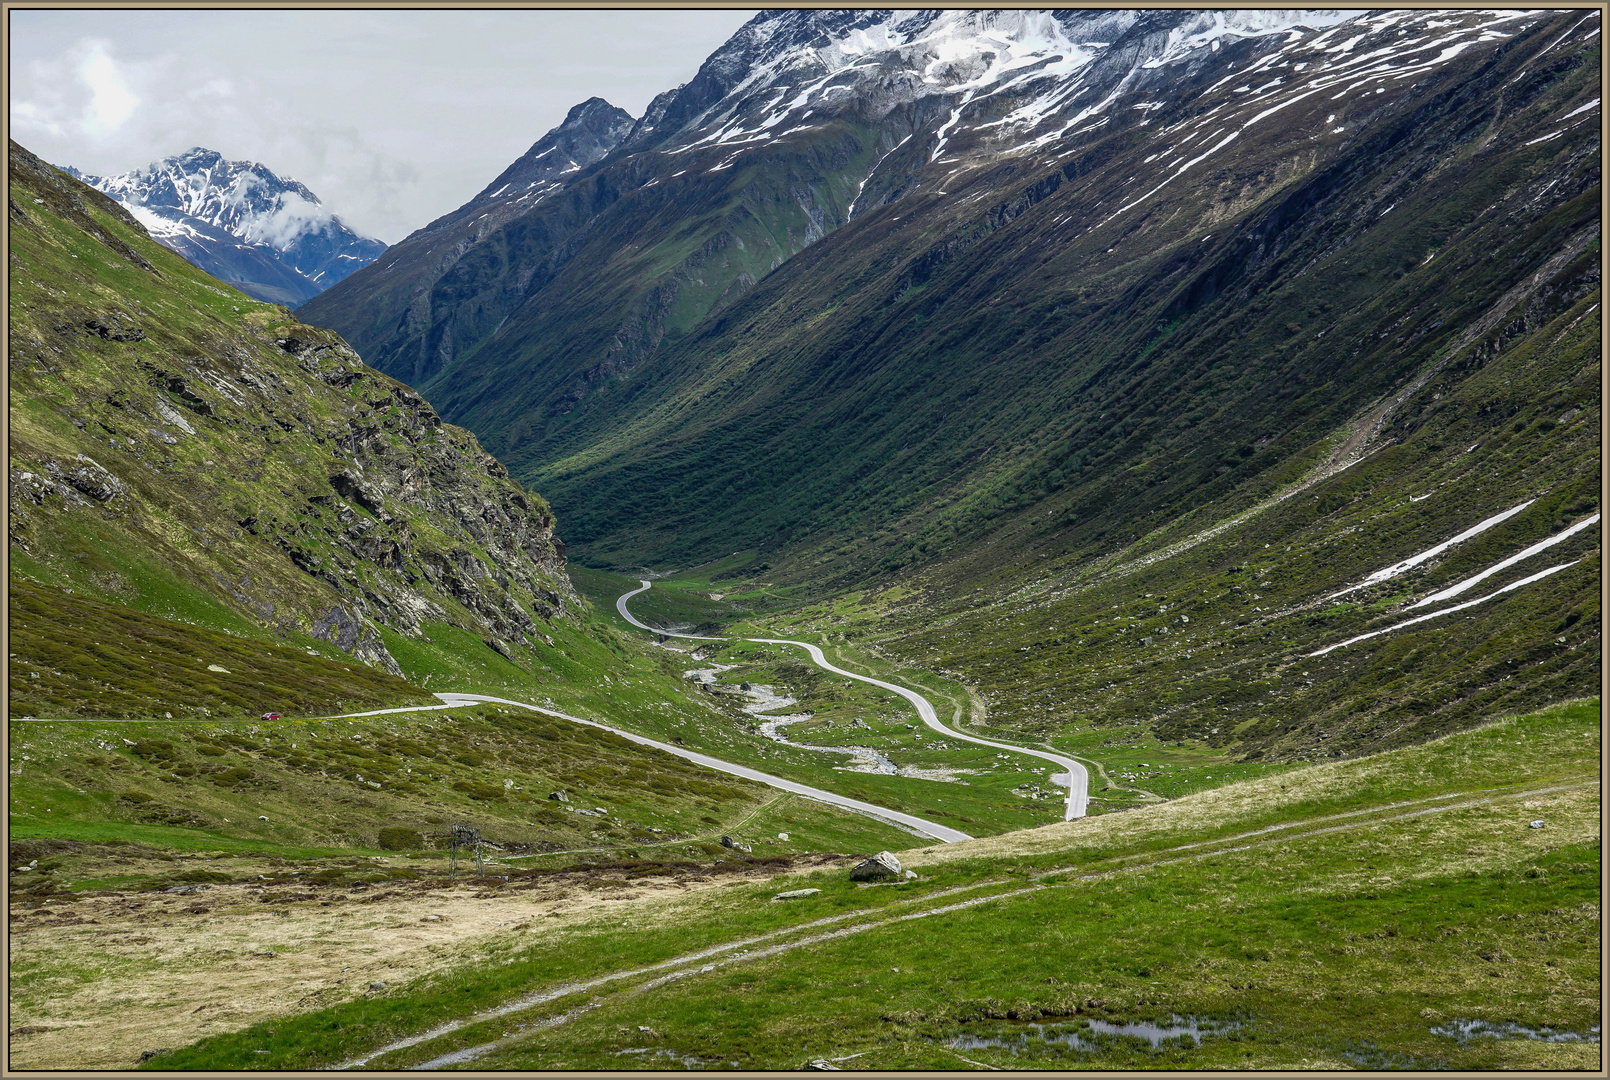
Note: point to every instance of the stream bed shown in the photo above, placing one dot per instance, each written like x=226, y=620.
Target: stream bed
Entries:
x=764, y=699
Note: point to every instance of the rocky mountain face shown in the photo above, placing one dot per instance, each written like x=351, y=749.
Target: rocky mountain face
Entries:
x=590, y=131
x=181, y=449
x=267, y=235
x=1061, y=320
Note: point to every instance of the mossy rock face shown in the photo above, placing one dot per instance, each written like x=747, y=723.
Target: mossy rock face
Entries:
x=186, y=451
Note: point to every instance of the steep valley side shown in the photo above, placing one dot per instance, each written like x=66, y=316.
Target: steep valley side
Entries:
x=179, y=449
x=1107, y=419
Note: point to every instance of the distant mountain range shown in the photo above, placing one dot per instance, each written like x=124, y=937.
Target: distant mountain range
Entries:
x=267, y=235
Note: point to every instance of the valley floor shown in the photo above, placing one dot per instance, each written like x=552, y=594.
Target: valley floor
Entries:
x=1424, y=908
x=1436, y=906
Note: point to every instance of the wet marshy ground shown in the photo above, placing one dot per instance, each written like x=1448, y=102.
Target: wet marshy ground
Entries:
x=1092, y=1036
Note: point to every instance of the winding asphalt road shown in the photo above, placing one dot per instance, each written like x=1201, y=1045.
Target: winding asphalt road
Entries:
x=1079, y=779
x=908, y=822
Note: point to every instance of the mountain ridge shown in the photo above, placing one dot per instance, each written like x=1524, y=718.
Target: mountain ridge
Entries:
x=177, y=447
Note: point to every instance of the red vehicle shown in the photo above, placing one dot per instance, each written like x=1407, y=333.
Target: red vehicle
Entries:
x=271, y=716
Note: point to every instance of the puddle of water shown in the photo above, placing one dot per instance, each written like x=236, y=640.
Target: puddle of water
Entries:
x=1465, y=1030
x=1367, y=1055
x=646, y=1052
x=1155, y=1034
x=1178, y=1028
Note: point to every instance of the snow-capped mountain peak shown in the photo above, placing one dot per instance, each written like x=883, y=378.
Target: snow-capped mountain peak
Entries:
x=239, y=220
x=809, y=120
x=1006, y=82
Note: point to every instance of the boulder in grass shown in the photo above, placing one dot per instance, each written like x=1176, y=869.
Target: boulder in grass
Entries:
x=880, y=866
x=796, y=894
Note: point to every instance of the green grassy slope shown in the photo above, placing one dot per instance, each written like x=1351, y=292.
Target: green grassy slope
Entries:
x=181, y=450
x=509, y=328
x=334, y=784
x=941, y=368
x=75, y=656
x=1198, y=631
x=1359, y=914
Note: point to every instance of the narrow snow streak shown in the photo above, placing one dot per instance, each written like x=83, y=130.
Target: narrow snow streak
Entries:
x=1541, y=545
x=850, y=212
x=1431, y=553
x=1448, y=611
x=1594, y=104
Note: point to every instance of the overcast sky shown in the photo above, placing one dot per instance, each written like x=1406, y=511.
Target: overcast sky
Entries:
x=391, y=117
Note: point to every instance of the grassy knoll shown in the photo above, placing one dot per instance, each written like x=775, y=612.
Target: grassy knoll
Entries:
x=73, y=655
x=1351, y=914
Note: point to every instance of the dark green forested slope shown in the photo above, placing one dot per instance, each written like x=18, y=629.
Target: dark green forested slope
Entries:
x=947, y=363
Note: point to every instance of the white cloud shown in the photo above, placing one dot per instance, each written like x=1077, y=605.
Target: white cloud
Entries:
x=111, y=101
x=104, y=111
x=289, y=220
x=391, y=117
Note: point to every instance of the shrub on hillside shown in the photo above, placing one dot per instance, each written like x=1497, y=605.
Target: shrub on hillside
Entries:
x=399, y=838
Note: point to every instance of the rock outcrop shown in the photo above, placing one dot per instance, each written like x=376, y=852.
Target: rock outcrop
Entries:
x=233, y=450
x=880, y=867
